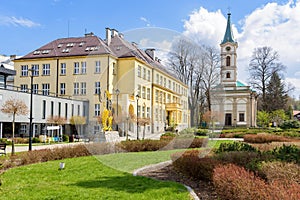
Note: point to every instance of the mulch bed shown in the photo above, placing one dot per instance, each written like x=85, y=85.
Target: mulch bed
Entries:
x=204, y=190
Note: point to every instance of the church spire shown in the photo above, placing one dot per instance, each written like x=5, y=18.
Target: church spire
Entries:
x=228, y=37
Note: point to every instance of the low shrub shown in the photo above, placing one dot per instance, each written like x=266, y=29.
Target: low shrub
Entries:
x=234, y=182
x=276, y=171
x=4, y=140
x=287, y=153
x=248, y=160
x=35, y=140
x=264, y=138
x=235, y=146
x=168, y=136
x=192, y=164
x=65, y=138
x=201, y=132
x=290, y=124
x=18, y=140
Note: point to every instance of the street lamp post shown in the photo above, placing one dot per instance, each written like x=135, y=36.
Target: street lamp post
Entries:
x=137, y=116
x=30, y=112
x=117, y=93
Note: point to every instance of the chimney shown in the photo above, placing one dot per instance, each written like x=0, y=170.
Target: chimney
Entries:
x=108, y=36
x=121, y=35
x=150, y=52
x=114, y=32
x=89, y=34
x=12, y=57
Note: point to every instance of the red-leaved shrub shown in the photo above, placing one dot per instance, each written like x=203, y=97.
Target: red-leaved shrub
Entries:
x=264, y=138
x=234, y=182
x=195, y=164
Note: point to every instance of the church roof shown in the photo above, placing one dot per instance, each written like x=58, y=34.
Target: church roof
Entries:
x=240, y=84
x=228, y=37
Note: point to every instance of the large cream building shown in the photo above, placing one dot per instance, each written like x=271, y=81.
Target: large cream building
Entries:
x=86, y=67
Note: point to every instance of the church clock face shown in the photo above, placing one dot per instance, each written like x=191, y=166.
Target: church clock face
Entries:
x=228, y=48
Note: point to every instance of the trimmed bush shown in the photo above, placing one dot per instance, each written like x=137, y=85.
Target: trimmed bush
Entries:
x=234, y=182
x=192, y=164
x=276, y=171
x=264, y=138
x=235, y=146
x=287, y=153
x=168, y=136
x=290, y=124
x=201, y=132
x=35, y=140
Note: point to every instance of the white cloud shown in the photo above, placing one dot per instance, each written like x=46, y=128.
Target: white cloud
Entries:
x=5, y=20
x=146, y=21
x=271, y=25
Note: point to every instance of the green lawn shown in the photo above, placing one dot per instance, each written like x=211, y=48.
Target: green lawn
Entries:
x=83, y=178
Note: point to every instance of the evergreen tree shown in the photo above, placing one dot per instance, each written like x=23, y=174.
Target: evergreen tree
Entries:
x=276, y=95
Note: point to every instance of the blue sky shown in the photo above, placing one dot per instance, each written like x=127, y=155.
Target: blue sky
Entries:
x=26, y=25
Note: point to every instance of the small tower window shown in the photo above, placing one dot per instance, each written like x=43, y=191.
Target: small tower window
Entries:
x=228, y=75
x=228, y=61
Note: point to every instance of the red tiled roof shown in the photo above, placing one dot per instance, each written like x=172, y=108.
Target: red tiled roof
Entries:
x=79, y=46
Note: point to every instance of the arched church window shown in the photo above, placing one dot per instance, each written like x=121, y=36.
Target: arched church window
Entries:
x=228, y=75
x=228, y=61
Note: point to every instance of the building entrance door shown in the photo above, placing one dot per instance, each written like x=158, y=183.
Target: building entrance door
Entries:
x=228, y=119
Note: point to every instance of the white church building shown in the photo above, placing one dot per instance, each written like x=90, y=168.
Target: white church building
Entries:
x=233, y=103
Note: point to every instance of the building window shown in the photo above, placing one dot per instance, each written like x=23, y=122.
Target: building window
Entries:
x=148, y=112
x=241, y=117
x=62, y=88
x=46, y=69
x=59, y=109
x=24, y=88
x=228, y=75
x=139, y=90
x=35, y=88
x=148, y=93
x=72, y=110
x=83, y=67
x=96, y=129
x=24, y=70
x=98, y=66
x=148, y=75
x=97, y=88
x=165, y=82
x=78, y=110
x=66, y=110
x=168, y=98
x=169, y=85
x=157, y=78
x=139, y=71
x=174, y=87
x=45, y=89
x=63, y=69
x=76, y=89
x=76, y=67
x=97, y=109
x=83, y=88
x=161, y=80
x=52, y=108
x=156, y=95
x=144, y=73
x=35, y=69
x=44, y=109
x=228, y=61
x=143, y=111
x=23, y=129
x=144, y=93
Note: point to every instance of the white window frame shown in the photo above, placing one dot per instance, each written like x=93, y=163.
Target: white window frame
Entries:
x=97, y=87
x=83, y=67
x=46, y=69
x=63, y=68
x=24, y=70
x=62, y=88
x=35, y=69
x=76, y=68
x=45, y=89
x=83, y=88
x=76, y=88
x=98, y=66
x=97, y=110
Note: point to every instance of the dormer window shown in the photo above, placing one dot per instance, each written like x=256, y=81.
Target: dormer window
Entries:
x=228, y=61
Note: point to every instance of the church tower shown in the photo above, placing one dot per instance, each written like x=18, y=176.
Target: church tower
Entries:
x=228, y=57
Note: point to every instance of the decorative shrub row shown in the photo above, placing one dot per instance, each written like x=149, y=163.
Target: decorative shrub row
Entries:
x=195, y=164
x=234, y=182
x=276, y=171
x=287, y=153
x=264, y=138
x=235, y=146
x=164, y=144
x=59, y=153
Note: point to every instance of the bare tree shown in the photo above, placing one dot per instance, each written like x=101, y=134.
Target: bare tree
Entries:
x=183, y=61
x=195, y=66
x=14, y=107
x=264, y=63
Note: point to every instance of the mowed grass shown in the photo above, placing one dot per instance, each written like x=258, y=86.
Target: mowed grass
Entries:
x=83, y=178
